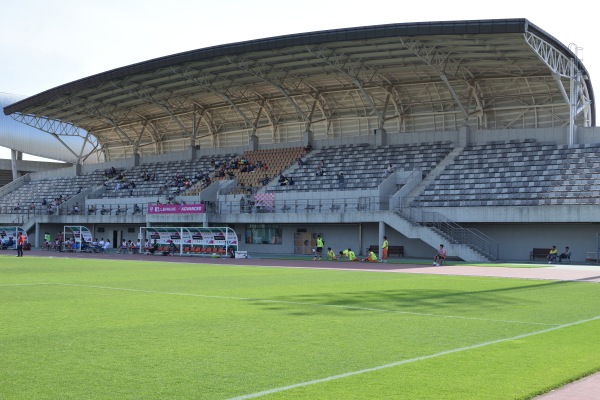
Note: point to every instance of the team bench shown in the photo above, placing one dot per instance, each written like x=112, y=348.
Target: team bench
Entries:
x=541, y=253
x=399, y=250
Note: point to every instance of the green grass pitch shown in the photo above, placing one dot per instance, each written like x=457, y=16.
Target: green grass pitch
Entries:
x=100, y=329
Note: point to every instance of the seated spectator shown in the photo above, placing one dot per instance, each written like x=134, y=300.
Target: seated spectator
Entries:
x=136, y=209
x=565, y=255
x=264, y=181
x=301, y=162
x=552, y=255
x=388, y=171
x=92, y=210
x=319, y=172
x=440, y=256
x=104, y=211
x=106, y=246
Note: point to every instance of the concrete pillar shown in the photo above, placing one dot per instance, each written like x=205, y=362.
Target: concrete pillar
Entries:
x=464, y=135
x=307, y=138
x=380, y=137
x=37, y=235
x=14, y=156
x=381, y=235
x=253, y=143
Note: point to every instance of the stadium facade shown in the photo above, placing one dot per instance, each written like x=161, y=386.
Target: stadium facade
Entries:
x=489, y=126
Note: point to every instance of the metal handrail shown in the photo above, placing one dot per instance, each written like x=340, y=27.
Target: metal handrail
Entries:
x=451, y=230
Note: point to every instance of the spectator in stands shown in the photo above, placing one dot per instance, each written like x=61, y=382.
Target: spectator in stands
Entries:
x=341, y=181
x=565, y=254
x=17, y=207
x=92, y=209
x=106, y=246
x=440, y=256
x=119, y=210
x=301, y=162
x=308, y=148
x=44, y=202
x=291, y=181
x=79, y=190
x=136, y=209
x=264, y=181
x=320, y=169
x=76, y=208
x=388, y=171
x=552, y=255
x=285, y=182
x=104, y=211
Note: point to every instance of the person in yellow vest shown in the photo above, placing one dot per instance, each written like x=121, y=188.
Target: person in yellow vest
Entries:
x=384, y=250
x=352, y=256
x=319, y=249
x=331, y=255
x=371, y=257
x=344, y=253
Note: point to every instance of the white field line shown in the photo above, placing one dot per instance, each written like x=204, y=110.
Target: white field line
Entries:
x=407, y=361
x=304, y=304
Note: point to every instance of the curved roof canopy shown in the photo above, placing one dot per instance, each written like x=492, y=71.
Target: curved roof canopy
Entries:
x=416, y=77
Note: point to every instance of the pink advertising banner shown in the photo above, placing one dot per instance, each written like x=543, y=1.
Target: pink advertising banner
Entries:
x=175, y=208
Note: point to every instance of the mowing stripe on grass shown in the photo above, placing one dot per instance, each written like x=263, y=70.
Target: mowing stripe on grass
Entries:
x=410, y=360
x=303, y=304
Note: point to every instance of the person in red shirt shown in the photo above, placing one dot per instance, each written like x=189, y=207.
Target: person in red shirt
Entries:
x=20, y=244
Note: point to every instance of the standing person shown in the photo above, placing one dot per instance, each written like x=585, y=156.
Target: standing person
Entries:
x=319, y=250
x=384, y=249
x=20, y=244
x=440, y=256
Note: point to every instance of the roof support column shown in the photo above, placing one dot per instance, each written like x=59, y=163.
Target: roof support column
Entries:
x=14, y=157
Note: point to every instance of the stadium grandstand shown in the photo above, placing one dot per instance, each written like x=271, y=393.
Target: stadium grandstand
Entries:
x=476, y=134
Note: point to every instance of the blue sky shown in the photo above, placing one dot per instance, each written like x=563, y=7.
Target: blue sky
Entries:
x=45, y=44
